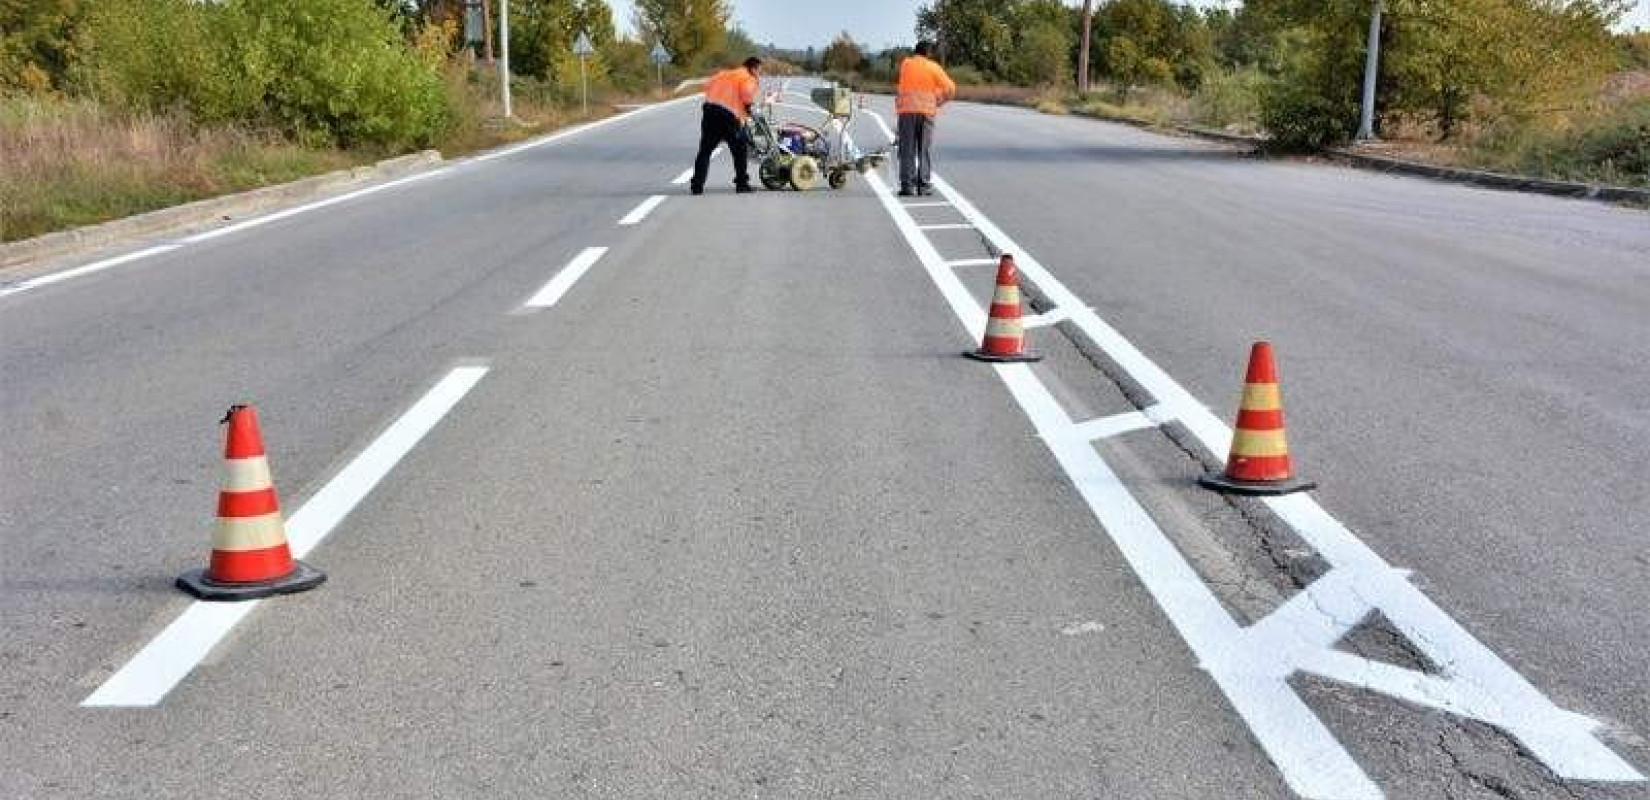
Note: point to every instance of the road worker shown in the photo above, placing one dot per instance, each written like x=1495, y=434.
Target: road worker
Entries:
x=728, y=98
x=923, y=88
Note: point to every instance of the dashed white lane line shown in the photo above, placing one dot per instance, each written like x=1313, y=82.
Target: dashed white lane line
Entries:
x=564, y=280
x=107, y=263
x=1254, y=664
x=687, y=174
x=640, y=213
x=169, y=658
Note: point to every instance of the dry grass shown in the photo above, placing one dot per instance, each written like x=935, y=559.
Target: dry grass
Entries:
x=70, y=163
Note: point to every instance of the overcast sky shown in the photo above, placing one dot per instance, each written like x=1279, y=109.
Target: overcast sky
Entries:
x=875, y=23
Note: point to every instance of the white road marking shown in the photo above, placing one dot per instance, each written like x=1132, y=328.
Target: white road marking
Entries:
x=973, y=262
x=564, y=280
x=1046, y=319
x=687, y=174
x=1253, y=664
x=1107, y=427
x=640, y=213
x=949, y=226
x=98, y=266
x=169, y=658
x=86, y=269
x=1082, y=628
x=940, y=204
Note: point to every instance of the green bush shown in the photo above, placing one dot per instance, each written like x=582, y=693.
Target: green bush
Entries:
x=1611, y=148
x=1228, y=98
x=326, y=72
x=1301, y=119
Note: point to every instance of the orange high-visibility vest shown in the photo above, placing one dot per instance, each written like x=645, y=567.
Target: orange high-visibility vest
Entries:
x=923, y=87
x=733, y=89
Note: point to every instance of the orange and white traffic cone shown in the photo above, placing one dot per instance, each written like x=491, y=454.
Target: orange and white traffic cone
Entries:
x=250, y=557
x=1005, y=336
x=1259, y=461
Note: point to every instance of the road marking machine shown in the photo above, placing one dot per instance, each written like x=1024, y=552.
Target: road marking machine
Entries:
x=796, y=156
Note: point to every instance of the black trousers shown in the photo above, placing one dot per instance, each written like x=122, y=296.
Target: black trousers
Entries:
x=916, y=141
x=720, y=126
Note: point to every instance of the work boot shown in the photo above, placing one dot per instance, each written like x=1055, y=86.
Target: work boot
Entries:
x=905, y=190
x=743, y=188
x=696, y=189
x=925, y=191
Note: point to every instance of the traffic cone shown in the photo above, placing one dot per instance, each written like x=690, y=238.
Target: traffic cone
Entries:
x=1259, y=461
x=1005, y=337
x=250, y=557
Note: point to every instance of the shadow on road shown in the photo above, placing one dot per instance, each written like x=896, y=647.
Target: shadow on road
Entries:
x=1099, y=153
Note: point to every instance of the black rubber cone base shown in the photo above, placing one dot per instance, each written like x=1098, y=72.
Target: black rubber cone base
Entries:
x=1022, y=358
x=303, y=578
x=1221, y=483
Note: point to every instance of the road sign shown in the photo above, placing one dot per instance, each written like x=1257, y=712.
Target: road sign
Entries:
x=659, y=55
x=582, y=48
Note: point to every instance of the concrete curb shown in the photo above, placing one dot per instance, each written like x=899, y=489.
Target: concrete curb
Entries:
x=29, y=252
x=1251, y=142
x=1496, y=180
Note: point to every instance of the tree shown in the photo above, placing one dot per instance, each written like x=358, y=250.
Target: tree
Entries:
x=692, y=30
x=975, y=33
x=1161, y=38
x=843, y=56
x=37, y=42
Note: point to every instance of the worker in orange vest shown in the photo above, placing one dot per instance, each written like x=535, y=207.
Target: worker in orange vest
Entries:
x=923, y=88
x=728, y=98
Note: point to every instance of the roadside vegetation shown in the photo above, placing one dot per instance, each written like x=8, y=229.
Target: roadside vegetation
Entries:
x=1539, y=87
x=114, y=107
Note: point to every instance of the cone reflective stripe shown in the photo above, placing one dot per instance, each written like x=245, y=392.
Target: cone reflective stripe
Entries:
x=1259, y=460
x=250, y=555
x=1005, y=336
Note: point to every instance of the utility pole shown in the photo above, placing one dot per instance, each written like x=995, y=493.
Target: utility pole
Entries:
x=1372, y=66
x=1083, y=52
x=504, y=55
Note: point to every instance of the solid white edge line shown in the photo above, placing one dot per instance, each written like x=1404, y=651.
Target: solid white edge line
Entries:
x=98, y=266
x=169, y=658
x=86, y=269
x=564, y=279
x=640, y=213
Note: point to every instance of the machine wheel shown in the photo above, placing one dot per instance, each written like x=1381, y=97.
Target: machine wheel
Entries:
x=774, y=176
x=838, y=178
x=804, y=173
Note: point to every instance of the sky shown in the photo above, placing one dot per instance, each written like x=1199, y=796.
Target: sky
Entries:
x=876, y=23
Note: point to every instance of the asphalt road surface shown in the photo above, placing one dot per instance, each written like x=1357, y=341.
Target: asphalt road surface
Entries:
x=629, y=497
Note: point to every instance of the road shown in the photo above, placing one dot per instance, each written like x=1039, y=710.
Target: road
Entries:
x=718, y=510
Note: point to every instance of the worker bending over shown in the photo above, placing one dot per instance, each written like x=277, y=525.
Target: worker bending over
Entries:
x=923, y=88
x=728, y=98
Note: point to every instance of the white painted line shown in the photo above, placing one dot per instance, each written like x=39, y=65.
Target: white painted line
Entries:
x=946, y=227
x=169, y=658
x=308, y=207
x=973, y=262
x=640, y=213
x=1107, y=427
x=86, y=269
x=940, y=204
x=564, y=280
x=1046, y=319
x=1253, y=665
x=687, y=174
x=255, y=222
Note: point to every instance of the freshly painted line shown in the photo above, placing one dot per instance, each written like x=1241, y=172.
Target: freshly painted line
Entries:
x=255, y=222
x=640, y=213
x=973, y=262
x=946, y=227
x=1107, y=427
x=1253, y=664
x=1047, y=318
x=564, y=280
x=86, y=269
x=169, y=658
x=687, y=174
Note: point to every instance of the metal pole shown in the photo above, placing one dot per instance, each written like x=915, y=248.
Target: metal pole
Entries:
x=504, y=57
x=584, y=87
x=1372, y=65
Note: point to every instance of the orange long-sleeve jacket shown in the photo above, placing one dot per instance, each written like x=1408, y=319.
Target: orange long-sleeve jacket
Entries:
x=923, y=87
x=733, y=89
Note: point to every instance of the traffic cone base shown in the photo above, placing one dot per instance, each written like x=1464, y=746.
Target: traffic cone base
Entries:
x=1017, y=358
x=302, y=578
x=1221, y=483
